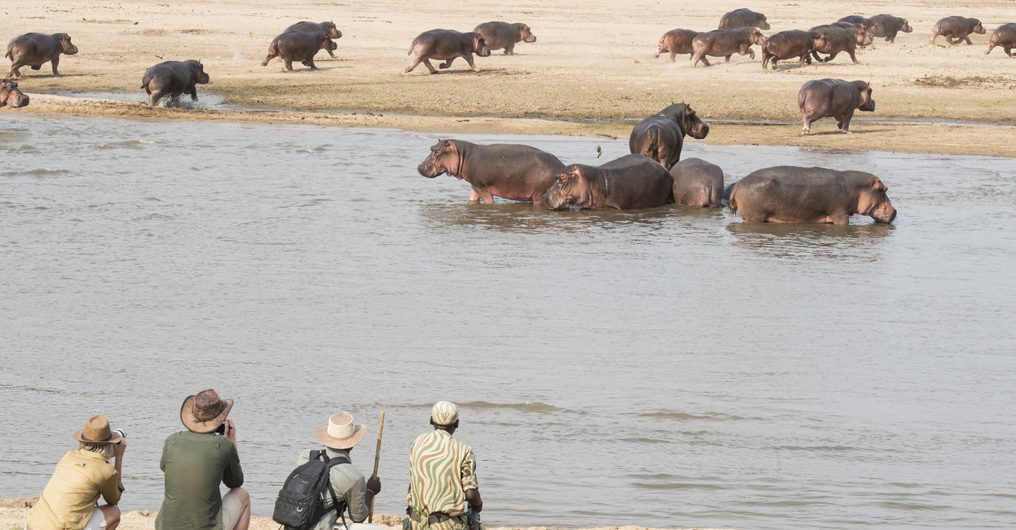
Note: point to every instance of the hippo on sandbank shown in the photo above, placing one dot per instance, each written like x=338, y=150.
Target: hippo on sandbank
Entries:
x=505, y=35
x=1004, y=36
x=724, y=43
x=838, y=39
x=743, y=18
x=956, y=29
x=446, y=45
x=888, y=26
x=329, y=28
x=36, y=49
x=628, y=183
x=298, y=46
x=11, y=96
x=836, y=98
x=676, y=41
x=172, y=78
x=790, y=44
x=661, y=136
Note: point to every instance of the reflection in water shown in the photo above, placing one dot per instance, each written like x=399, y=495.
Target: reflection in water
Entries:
x=519, y=217
x=860, y=241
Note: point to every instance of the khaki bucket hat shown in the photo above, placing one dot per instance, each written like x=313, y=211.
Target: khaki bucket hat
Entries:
x=341, y=432
x=97, y=431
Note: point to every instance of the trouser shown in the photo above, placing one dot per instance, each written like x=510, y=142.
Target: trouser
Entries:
x=436, y=521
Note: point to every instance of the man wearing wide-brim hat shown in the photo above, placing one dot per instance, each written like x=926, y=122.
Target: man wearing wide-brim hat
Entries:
x=442, y=476
x=339, y=437
x=195, y=461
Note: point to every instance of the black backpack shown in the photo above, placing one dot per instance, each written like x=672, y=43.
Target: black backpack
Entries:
x=301, y=502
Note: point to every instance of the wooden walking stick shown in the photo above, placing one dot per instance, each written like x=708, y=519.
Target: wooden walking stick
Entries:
x=377, y=461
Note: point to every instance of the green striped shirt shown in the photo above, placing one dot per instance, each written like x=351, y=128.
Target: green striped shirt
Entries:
x=441, y=468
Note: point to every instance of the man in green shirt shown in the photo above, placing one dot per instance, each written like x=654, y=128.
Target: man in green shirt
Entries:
x=442, y=476
x=195, y=461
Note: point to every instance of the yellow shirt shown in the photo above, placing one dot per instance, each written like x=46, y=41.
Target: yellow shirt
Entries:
x=69, y=499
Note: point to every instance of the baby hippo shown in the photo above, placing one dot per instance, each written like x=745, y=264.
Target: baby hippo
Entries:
x=173, y=78
x=676, y=41
x=630, y=182
x=697, y=183
x=835, y=98
x=743, y=18
x=724, y=43
x=888, y=26
x=36, y=49
x=328, y=28
x=956, y=29
x=298, y=46
x=446, y=44
x=11, y=95
x=1004, y=36
x=499, y=35
x=790, y=44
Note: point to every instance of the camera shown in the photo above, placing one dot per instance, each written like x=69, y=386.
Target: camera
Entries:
x=122, y=433
x=221, y=429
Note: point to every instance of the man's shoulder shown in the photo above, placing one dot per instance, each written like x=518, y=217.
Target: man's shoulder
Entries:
x=196, y=440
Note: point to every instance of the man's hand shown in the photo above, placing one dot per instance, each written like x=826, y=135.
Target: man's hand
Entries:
x=474, y=500
x=374, y=485
x=230, y=430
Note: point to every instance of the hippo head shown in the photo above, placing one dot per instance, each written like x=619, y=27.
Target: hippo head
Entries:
x=866, y=102
x=873, y=202
x=818, y=40
x=976, y=26
x=328, y=44
x=525, y=32
x=570, y=189
x=862, y=35
x=66, y=46
x=762, y=22
x=905, y=27
x=11, y=95
x=331, y=30
x=443, y=158
x=692, y=125
x=480, y=46
x=199, y=72
x=756, y=36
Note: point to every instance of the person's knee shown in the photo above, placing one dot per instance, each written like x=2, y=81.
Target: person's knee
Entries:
x=112, y=516
x=241, y=495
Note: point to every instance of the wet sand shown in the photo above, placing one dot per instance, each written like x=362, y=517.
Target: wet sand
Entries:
x=591, y=72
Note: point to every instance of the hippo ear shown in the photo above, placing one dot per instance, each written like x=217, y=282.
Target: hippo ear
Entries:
x=878, y=186
x=448, y=144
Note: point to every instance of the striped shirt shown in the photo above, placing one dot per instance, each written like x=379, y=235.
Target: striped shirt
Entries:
x=441, y=468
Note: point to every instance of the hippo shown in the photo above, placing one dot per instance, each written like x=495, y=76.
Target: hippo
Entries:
x=511, y=171
x=956, y=29
x=499, y=35
x=628, y=183
x=858, y=29
x=298, y=46
x=1004, y=36
x=676, y=41
x=173, y=78
x=36, y=49
x=446, y=44
x=838, y=39
x=11, y=95
x=724, y=43
x=888, y=26
x=835, y=98
x=789, y=44
x=697, y=183
x=306, y=26
x=789, y=194
x=857, y=20
x=743, y=18
x=661, y=136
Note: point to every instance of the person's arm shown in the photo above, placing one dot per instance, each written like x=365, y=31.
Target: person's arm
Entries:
x=232, y=474
x=358, y=500
x=118, y=463
x=470, y=486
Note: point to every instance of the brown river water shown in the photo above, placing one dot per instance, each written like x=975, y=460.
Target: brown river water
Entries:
x=662, y=367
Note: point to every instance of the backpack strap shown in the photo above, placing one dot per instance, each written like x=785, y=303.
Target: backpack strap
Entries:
x=332, y=462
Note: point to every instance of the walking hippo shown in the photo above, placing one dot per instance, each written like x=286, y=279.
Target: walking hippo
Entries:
x=36, y=49
x=676, y=41
x=628, y=183
x=956, y=29
x=834, y=98
x=838, y=39
x=857, y=20
x=859, y=29
x=790, y=44
x=724, y=43
x=661, y=136
x=328, y=28
x=11, y=95
x=173, y=78
x=743, y=18
x=447, y=45
x=697, y=183
x=499, y=35
x=1004, y=36
x=298, y=46
x=888, y=26
x=789, y=194
x=511, y=171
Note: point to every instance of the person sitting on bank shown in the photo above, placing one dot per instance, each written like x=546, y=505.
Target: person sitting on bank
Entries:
x=195, y=461
x=339, y=437
x=69, y=500
x=442, y=476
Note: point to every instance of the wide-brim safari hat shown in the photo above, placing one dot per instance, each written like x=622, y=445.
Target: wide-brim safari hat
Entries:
x=205, y=411
x=341, y=432
x=97, y=431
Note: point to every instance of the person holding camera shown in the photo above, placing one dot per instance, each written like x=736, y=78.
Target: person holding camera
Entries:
x=70, y=499
x=195, y=461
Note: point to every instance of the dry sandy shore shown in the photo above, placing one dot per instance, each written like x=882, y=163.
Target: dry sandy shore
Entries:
x=591, y=72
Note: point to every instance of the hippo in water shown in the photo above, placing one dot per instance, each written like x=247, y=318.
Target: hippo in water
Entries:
x=788, y=194
x=838, y=39
x=956, y=29
x=1004, y=36
x=511, y=171
x=697, y=183
x=499, y=35
x=298, y=46
x=173, y=78
x=888, y=26
x=36, y=49
x=835, y=98
x=661, y=136
x=790, y=44
x=676, y=41
x=743, y=18
x=328, y=28
x=446, y=44
x=724, y=43
x=11, y=96
x=628, y=183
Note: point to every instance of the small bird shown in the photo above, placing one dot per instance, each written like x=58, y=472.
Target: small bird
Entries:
x=599, y=151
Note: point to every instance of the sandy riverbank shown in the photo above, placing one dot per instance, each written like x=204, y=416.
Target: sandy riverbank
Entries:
x=591, y=71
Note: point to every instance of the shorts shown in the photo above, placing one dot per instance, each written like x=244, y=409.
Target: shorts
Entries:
x=232, y=508
x=97, y=522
